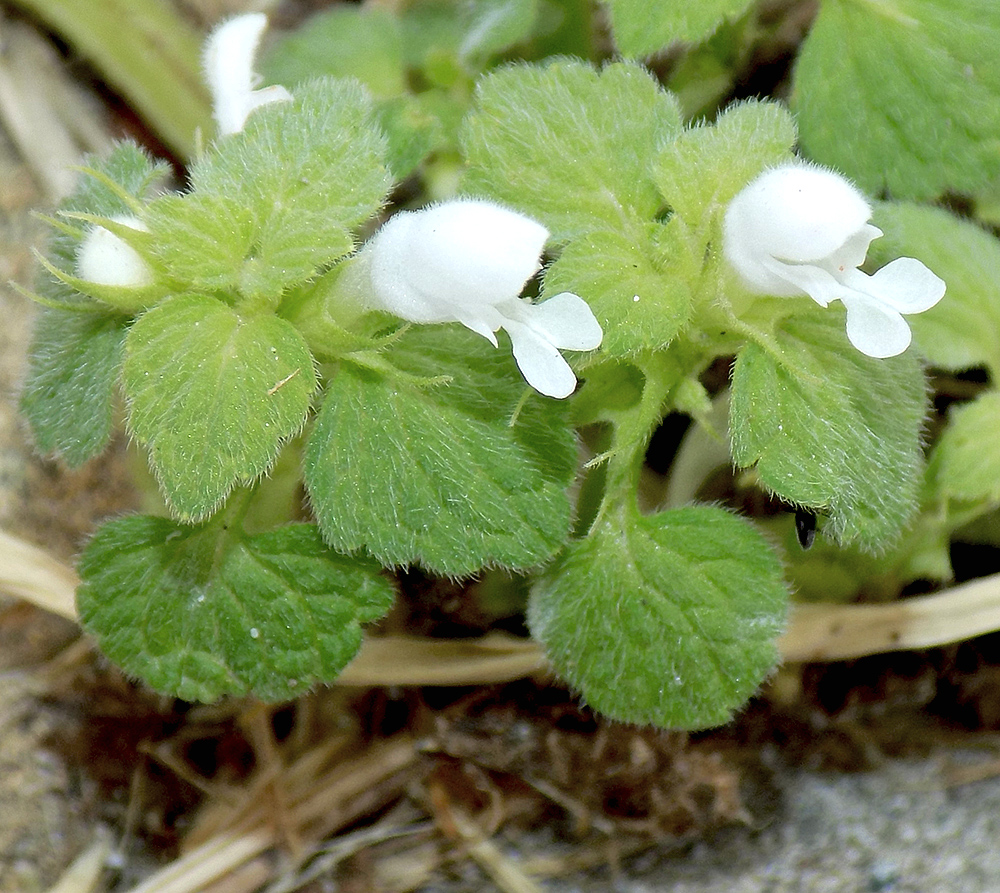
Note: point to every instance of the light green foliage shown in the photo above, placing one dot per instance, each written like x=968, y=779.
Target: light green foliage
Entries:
x=417, y=61
x=427, y=472
x=668, y=619
x=569, y=145
x=213, y=394
x=641, y=304
x=963, y=330
x=903, y=95
x=641, y=27
x=444, y=38
x=69, y=391
x=830, y=428
x=206, y=611
x=700, y=171
x=967, y=457
x=573, y=147
x=345, y=41
x=75, y=356
x=422, y=444
x=280, y=199
x=490, y=27
x=368, y=44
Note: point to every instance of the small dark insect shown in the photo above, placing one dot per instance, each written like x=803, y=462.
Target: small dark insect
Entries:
x=805, y=527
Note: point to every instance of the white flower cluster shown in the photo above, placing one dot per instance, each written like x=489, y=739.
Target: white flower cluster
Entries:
x=800, y=229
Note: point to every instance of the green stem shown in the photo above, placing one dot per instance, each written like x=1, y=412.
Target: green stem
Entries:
x=664, y=371
x=144, y=49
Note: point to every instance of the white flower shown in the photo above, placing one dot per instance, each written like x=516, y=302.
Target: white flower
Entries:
x=467, y=261
x=108, y=259
x=228, y=60
x=801, y=229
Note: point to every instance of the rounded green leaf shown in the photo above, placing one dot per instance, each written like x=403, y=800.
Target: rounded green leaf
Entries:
x=830, y=428
x=668, y=620
x=437, y=473
x=73, y=368
x=277, y=202
x=213, y=395
x=641, y=27
x=968, y=455
x=201, y=612
x=570, y=145
x=903, y=96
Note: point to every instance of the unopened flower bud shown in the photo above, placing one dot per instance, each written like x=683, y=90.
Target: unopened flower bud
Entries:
x=108, y=259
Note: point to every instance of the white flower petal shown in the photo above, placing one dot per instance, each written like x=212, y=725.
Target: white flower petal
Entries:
x=486, y=321
x=876, y=330
x=803, y=279
x=567, y=322
x=541, y=364
x=228, y=60
x=905, y=284
x=800, y=229
x=467, y=261
x=854, y=251
x=388, y=255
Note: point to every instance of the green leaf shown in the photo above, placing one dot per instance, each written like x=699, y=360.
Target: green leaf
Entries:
x=346, y=41
x=213, y=394
x=449, y=39
x=436, y=474
x=287, y=191
x=967, y=457
x=830, y=428
x=203, y=241
x=73, y=367
x=963, y=329
x=700, y=171
x=201, y=612
x=903, y=96
x=640, y=303
x=668, y=620
x=570, y=145
x=489, y=27
x=128, y=167
x=641, y=27
x=415, y=126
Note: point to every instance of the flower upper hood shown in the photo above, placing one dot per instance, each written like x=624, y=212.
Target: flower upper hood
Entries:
x=228, y=60
x=467, y=261
x=800, y=229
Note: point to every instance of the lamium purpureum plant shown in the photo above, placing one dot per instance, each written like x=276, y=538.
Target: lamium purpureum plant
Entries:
x=431, y=406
